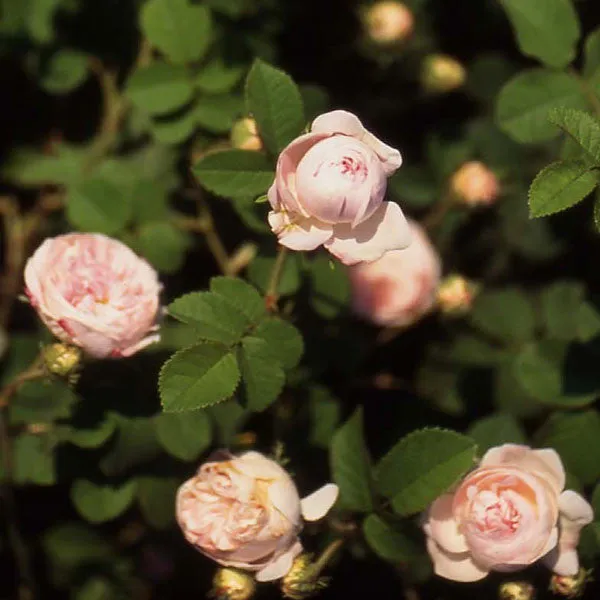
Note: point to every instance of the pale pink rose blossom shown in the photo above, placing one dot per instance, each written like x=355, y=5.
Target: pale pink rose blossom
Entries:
x=94, y=292
x=400, y=287
x=329, y=189
x=475, y=184
x=245, y=512
x=507, y=514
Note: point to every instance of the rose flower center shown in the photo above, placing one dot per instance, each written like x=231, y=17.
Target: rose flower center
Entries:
x=495, y=514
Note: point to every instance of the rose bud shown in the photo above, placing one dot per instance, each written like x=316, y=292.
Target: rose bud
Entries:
x=474, y=184
x=61, y=359
x=244, y=135
x=301, y=581
x=245, y=512
x=388, y=21
x=455, y=295
x=400, y=287
x=94, y=292
x=516, y=590
x=570, y=586
x=329, y=190
x=505, y=515
x=230, y=584
x=441, y=74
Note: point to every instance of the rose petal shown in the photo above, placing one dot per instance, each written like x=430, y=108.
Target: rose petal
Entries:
x=287, y=163
x=386, y=230
x=443, y=528
x=575, y=513
x=545, y=463
x=341, y=121
x=317, y=505
x=299, y=233
x=457, y=567
x=280, y=566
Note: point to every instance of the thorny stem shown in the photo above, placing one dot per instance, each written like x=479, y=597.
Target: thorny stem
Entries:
x=271, y=295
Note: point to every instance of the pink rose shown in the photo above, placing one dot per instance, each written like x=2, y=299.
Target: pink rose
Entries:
x=507, y=514
x=329, y=189
x=475, y=184
x=245, y=512
x=400, y=287
x=94, y=292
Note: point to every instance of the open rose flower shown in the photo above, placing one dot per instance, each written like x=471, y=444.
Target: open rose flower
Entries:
x=329, y=189
x=245, y=512
x=400, y=287
x=94, y=292
x=507, y=514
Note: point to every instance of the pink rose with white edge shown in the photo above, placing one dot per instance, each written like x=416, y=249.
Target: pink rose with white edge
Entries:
x=400, y=287
x=245, y=512
x=94, y=292
x=329, y=190
x=507, y=514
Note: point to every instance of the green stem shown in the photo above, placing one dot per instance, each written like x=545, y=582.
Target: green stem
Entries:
x=326, y=557
x=271, y=295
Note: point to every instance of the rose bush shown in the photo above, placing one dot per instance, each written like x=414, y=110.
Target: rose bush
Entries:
x=329, y=190
x=94, y=292
x=245, y=512
x=510, y=512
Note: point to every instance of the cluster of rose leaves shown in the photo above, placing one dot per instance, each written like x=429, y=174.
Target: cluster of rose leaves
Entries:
x=244, y=511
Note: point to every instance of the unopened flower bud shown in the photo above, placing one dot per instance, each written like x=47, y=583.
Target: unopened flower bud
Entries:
x=441, y=73
x=300, y=581
x=231, y=584
x=570, y=587
x=244, y=135
x=62, y=359
x=455, y=295
x=388, y=21
x=474, y=184
x=516, y=590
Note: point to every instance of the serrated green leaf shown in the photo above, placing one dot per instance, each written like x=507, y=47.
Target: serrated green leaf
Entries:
x=101, y=503
x=235, y=173
x=523, y=104
x=180, y=29
x=33, y=460
x=581, y=126
x=217, y=114
x=163, y=245
x=274, y=100
x=325, y=414
x=175, y=129
x=184, y=435
x=560, y=186
x=89, y=437
x=66, y=70
x=548, y=30
x=496, y=430
x=198, y=377
x=156, y=497
x=284, y=341
x=42, y=402
x=388, y=541
x=262, y=377
x=228, y=417
x=98, y=205
x=213, y=317
x=422, y=466
x=241, y=295
x=575, y=437
x=216, y=77
x=504, y=314
x=561, y=303
x=135, y=443
x=39, y=19
x=159, y=88
x=351, y=465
